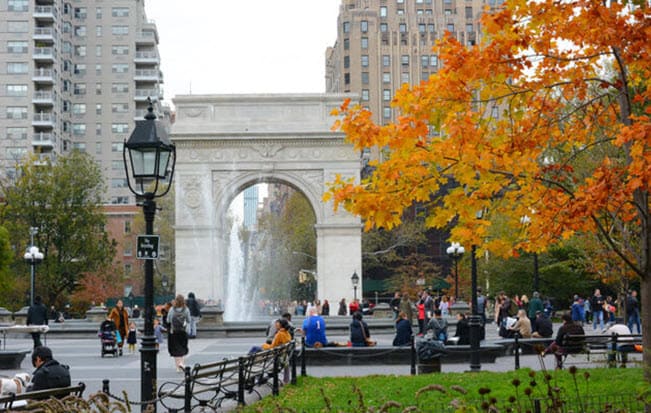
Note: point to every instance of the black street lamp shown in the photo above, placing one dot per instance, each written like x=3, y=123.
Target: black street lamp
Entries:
x=355, y=280
x=151, y=160
x=455, y=252
x=32, y=256
x=475, y=320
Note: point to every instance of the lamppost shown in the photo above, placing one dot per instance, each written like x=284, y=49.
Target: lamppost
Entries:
x=355, y=280
x=455, y=252
x=32, y=256
x=475, y=320
x=151, y=166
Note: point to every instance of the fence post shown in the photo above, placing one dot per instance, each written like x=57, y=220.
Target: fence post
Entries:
x=240, y=381
x=187, y=401
x=413, y=355
x=105, y=386
x=303, y=356
x=274, y=382
x=536, y=406
x=293, y=363
x=516, y=350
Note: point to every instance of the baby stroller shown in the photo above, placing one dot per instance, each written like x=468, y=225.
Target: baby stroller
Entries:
x=108, y=337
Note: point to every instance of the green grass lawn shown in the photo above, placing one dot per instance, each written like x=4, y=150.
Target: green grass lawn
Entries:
x=579, y=390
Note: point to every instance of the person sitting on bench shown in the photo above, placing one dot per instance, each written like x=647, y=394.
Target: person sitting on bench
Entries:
x=624, y=345
x=49, y=373
x=562, y=346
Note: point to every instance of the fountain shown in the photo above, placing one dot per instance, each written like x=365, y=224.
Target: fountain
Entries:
x=240, y=297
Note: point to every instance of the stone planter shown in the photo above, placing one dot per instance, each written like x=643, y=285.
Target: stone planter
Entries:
x=96, y=314
x=212, y=316
x=5, y=316
x=20, y=316
x=382, y=310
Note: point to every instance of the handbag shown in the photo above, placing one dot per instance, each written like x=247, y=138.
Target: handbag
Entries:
x=118, y=337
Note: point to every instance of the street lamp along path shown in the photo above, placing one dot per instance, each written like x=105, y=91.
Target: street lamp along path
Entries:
x=150, y=165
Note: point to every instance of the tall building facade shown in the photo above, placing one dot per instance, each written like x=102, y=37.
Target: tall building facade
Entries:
x=383, y=44
x=75, y=75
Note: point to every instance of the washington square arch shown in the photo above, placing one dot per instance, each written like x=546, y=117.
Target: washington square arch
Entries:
x=226, y=143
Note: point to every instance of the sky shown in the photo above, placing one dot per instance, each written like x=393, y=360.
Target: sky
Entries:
x=235, y=46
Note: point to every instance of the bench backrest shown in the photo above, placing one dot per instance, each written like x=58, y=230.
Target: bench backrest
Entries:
x=6, y=402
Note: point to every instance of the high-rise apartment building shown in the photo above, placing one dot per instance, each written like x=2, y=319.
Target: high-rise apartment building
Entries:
x=383, y=44
x=75, y=75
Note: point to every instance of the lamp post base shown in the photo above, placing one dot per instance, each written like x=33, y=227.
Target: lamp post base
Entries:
x=475, y=324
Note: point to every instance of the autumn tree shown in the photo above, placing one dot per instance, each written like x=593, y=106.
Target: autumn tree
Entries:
x=64, y=202
x=547, y=117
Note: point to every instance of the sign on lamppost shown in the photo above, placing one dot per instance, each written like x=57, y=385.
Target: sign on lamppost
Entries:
x=147, y=247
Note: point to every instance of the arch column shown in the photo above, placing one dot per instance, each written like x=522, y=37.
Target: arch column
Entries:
x=339, y=254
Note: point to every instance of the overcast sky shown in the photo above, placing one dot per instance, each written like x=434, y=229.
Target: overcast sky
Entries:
x=253, y=46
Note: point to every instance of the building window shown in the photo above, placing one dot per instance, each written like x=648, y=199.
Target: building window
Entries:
x=401, y=12
x=422, y=28
x=120, y=68
x=98, y=88
x=80, y=51
x=433, y=60
x=383, y=11
x=120, y=12
x=17, y=5
x=364, y=26
x=79, y=108
x=346, y=62
x=98, y=108
x=127, y=227
x=117, y=165
x=98, y=13
x=119, y=128
x=404, y=77
x=346, y=78
x=17, y=47
x=404, y=60
x=16, y=112
x=346, y=27
x=384, y=27
x=117, y=147
x=80, y=31
x=386, y=60
x=120, y=50
x=98, y=129
x=120, y=88
x=365, y=78
x=16, y=153
x=365, y=94
x=16, y=133
x=79, y=146
x=424, y=61
x=386, y=95
x=430, y=28
x=386, y=77
x=79, y=69
x=118, y=183
x=364, y=42
x=16, y=90
x=127, y=266
x=448, y=12
x=17, y=68
x=98, y=69
x=66, y=106
x=98, y=148
x=80, y=13
x=386, y=112
x=120, y=107
x=346, y=44
x=450, y=27
x=98, y=50
x=120, y=30
x=98, y=31
x=79, y=129
x=79, y=89
x=364, y=60
x=403, y=28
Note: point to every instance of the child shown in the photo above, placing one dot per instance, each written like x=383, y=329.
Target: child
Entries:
x=158, y=332
x=132, y=338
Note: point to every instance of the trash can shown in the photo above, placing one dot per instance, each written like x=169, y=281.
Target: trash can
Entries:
x=429, y=353
x=428, y=366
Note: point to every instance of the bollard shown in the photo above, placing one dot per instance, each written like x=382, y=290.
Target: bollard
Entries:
x=303, y=356
x=187, y=402
x=293, y=363
x=105, y=386
x=413, y=356
x=516, y=350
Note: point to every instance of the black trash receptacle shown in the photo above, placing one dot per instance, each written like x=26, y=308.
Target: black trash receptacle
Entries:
x=429, y=366
x=429, y=353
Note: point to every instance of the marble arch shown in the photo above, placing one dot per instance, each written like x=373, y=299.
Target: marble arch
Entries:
x=227, y=142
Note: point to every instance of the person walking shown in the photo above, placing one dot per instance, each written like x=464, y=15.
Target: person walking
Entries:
x=195, y=314
x=395, y=305
x=37, y=316
x=597, y=308
x=633, y=311
x=406, y=306
x=178, y=319
x=343, y=308
x=120, y=317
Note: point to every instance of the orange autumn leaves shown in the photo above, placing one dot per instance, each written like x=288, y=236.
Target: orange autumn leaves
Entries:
x=547, y=118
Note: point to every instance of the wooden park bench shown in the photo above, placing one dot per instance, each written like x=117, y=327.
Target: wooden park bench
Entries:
x=25, y=401
x=209, y=384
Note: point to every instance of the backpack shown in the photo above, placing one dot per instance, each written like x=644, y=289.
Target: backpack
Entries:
x=179, y=321
x=513, y=309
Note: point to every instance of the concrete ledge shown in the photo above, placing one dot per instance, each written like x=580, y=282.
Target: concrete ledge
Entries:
x=12, y=359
